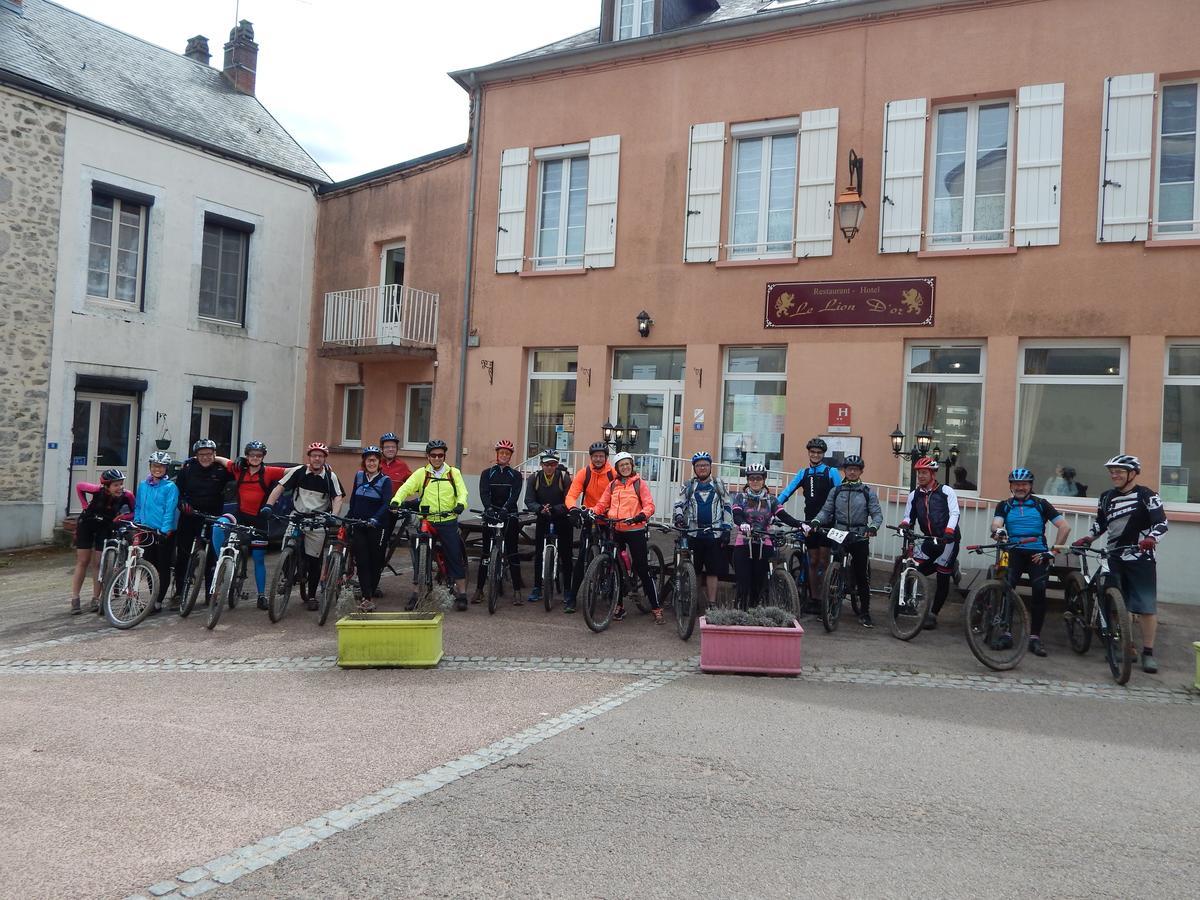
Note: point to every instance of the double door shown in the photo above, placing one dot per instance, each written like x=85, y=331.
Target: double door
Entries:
x=657, y=412
x=103, y=436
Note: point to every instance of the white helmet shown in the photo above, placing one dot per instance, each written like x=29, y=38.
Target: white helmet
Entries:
x=623, y=456
x=162, y=457
x=1124, y=461
x=756, y=469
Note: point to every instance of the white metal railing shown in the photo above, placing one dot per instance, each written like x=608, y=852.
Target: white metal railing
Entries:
x=377, y=316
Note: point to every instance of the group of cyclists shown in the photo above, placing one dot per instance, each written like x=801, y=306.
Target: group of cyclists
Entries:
x=725, y=526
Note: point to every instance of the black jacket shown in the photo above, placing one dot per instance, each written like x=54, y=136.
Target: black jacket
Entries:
x=539, y=494
x=203, y=489
x=500, y=488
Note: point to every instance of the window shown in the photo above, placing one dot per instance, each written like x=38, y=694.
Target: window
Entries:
x=217, y=421
x=551, y=422
x=752, y=421
x=764, y=196
x=1181, y=425
x=944, y=392
x=1178, y=211
x=635, y=18
x=352, y=414
x=562, y=212
x=1070, y=412
x=116, y=243
x=971, y=175
x=665, y=364
x=223, y=271
x=417, y=415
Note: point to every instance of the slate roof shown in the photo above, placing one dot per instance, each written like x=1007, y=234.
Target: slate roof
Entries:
x=66, y=55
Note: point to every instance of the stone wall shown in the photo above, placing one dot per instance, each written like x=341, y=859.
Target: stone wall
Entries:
x=32, y=137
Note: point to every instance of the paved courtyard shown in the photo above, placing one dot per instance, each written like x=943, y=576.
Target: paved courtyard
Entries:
x=540, y=759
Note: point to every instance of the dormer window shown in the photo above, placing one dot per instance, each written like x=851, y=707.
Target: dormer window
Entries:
x=633, y=18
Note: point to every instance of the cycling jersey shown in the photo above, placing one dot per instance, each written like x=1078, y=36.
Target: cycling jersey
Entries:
x=369, y=497
x=254, y=487
x=103, y=507
x=203, y=487
x=590, y=483
x=500, y=487
x=756, y=509
x=541, y=491
x=1127, y=518
x=1024, y=519
x=439, y=490
x=851, y=504
x=935, y=508
x=704, y=505
x=312, y=491
x=397, y=470
x=817, y=481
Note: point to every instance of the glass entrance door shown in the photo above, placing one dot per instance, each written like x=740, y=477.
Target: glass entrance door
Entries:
x=657, y=414
x=391, y=291
x=102, y=437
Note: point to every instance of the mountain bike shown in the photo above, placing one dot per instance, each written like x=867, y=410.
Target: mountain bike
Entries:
x=910, y=597
x=798, y=566
x=682, y=590
x=839, y=581
x=131, y=586
x=1094, y=608
x=609, y=577
x=779, y=587
x=497, y=563
x=430, y=569
x=994, y=616
x=292, y=569
x=193, y=578
x=337, y=564
x=550, y=566
x=230, y=571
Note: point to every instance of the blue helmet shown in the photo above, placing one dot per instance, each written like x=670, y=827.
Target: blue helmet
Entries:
x=701, y=456
x=1020, y=473
x=390, y=436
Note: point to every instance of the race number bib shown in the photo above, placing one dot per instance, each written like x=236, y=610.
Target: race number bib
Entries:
x=837, y=535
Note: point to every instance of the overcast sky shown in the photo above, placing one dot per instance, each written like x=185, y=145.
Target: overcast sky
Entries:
x=361, y=84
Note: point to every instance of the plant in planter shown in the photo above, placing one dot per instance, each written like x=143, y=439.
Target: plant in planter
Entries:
x=763, y=640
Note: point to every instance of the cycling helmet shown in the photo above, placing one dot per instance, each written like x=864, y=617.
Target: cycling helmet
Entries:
x=204, y=444
x=549, y=456
x=108, y=476
x=817, y=444
x=1124, y=461
x=1020, y=473
x=390, y=436
x=701, y=456
x=756, y=469
x=255, y=445
x=926, y=462
x=621, y=457
x=853, y=460
x=504, y=444
x=162, y=457
x=371, y=450
x=435, y=445
x=598, y=447
x=317, y=445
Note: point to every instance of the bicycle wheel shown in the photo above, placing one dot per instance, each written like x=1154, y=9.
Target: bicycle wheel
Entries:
x=549, y=575
x=798, y=569
x=997, y=625
x=1077, y=615
x=781, y=591
x=601, y=587
x=684, y=588
x=832, y=589
x=221, y=586
x=281, y=584
x=910, y=604
x=129, y=595
x=495, y=572
x=1117, y=634
x=193, y=581
x=331, y=587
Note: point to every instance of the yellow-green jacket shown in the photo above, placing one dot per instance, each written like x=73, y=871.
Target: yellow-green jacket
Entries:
x=439, y=493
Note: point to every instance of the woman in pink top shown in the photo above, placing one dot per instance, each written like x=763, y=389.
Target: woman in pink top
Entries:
x=109, y=502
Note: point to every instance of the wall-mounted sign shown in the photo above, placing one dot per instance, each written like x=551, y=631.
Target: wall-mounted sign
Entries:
x=839, y=418
x=839, y=304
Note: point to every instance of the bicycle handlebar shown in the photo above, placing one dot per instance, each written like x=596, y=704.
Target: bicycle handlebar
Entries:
x=1003, y=545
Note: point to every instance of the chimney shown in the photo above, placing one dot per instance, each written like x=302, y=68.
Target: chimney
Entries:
x=241, y=58
x=197, y=49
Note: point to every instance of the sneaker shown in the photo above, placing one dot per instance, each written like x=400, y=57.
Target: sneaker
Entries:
x=366, y=605
x=477, y=597
x=517, y=601
x=377, y=594
x=262, y=601
x=412, y=602
x=619, y=614
x=1003, y=642
x=1035, y=647
x=76, y=609
x=460, y=602
x=658, y=616
x=173, y=603
x=96, y=607
x=930, y=623
x=568, y=603
x=311, y=605
x=1149, y=663
x=535, y=596
x=865, y=621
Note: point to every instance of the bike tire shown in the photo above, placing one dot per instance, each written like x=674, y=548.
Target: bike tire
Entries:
x=798, y=569
x=781, y=591
x=282, y=583
x=1077, y=614
x=985, y=630
x=331, y=588
x=128, y=596
x=910, y=602
x=685, y=588
x=1118, y=636
x=221, y=586
x=549, y=575
x=601, y=587
x=832, y=588
x=495, y=573
x=193, y=580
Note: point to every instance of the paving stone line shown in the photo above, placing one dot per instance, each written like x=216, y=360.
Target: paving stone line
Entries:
x=235, y=864
x=6, y=652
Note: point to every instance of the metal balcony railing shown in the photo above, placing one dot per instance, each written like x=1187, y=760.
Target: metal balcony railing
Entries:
x=391, y=314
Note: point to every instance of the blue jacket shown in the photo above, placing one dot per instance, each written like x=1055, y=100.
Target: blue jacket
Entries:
x=157, y=505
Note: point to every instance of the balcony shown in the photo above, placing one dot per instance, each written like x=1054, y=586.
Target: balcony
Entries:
x=378, y=323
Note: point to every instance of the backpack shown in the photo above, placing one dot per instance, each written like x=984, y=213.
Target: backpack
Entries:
x=262, y=477
x=587, y=478
x=360, y=479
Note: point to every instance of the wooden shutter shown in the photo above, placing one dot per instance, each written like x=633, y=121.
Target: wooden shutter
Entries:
x=816, y=182
x=706, y=170
x=1126, y=144
x=903, y=189
x=510, y=225
x=600, y=233
x=1039, y=165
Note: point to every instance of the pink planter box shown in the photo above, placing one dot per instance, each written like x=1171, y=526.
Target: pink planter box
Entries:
x=750, y=649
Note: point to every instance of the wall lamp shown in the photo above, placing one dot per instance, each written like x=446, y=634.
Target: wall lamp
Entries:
x=850, y=205
x=644, y=322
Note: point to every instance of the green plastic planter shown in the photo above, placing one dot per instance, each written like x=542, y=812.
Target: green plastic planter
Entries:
x=390, y=639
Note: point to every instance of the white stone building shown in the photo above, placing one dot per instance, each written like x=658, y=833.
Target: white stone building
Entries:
x=180, y=281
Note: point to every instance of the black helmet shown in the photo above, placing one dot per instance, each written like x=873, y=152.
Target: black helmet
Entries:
x=853, y=461
x=598, y=447
x=435, y=445
x=108, y=476
x=204, y=444
x=817, y=444
x=371, y=450
x=390, y=436
x=255, y=445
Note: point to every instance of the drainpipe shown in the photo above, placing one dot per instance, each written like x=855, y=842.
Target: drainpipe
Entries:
x=468, y=277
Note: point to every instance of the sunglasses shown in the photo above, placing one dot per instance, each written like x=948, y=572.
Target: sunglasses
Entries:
x=437, y=455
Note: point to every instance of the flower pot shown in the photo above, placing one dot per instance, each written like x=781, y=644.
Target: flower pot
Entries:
x=381, y=639
x=750, y=649
x=163, y=443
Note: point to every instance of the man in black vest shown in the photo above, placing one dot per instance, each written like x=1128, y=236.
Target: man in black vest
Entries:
x=546, y=495
x=201, y=482
x=499, y=491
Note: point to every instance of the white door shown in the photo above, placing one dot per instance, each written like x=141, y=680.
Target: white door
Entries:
x=391, y=292
x=216, y=420
x=102, y=437
x=657, y=413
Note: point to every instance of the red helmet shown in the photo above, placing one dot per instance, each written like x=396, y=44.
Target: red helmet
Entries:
x=505, y=445
x=926, y=462
x=317, y=445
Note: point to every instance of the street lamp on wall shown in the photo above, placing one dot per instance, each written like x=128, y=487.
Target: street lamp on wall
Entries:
x=643, y=323
x=850, y=205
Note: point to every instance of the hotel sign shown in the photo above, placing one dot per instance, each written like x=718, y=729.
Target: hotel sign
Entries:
x=840, y=304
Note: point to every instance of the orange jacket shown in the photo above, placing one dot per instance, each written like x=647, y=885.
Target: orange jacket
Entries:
x=624, y=498
x=597, y=481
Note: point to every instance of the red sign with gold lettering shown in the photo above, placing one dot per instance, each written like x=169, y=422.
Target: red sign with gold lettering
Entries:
x=840, y=304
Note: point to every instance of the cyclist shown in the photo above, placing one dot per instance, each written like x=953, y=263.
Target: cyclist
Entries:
x=1022, y=517
x=1133, y=518
x=627, y=501
x=398, y=472
x=369, y=501
x=753, y=510
x=439, y=487
x=201, y=484
x=852, y=504
x=499, y=490
x=546, y=495
x=704, y=506
x=254, y=482
x=587, y=487
x=158, y=508
x=109, y=502
x=935, y=507
x=314, y=488
x=816, y=480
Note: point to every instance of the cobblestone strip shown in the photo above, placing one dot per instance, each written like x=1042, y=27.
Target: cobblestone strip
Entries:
x=231, y=866
x=6, y=652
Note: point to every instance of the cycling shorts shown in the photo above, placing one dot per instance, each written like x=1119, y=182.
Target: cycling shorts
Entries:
x=709, y=556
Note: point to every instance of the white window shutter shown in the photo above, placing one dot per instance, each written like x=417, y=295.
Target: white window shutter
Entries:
x=600, y=232
x=510, y=225
x=816, y=182
x=903, y=188
x=1126, y=145
x=706, y=171
x=1039, y=165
